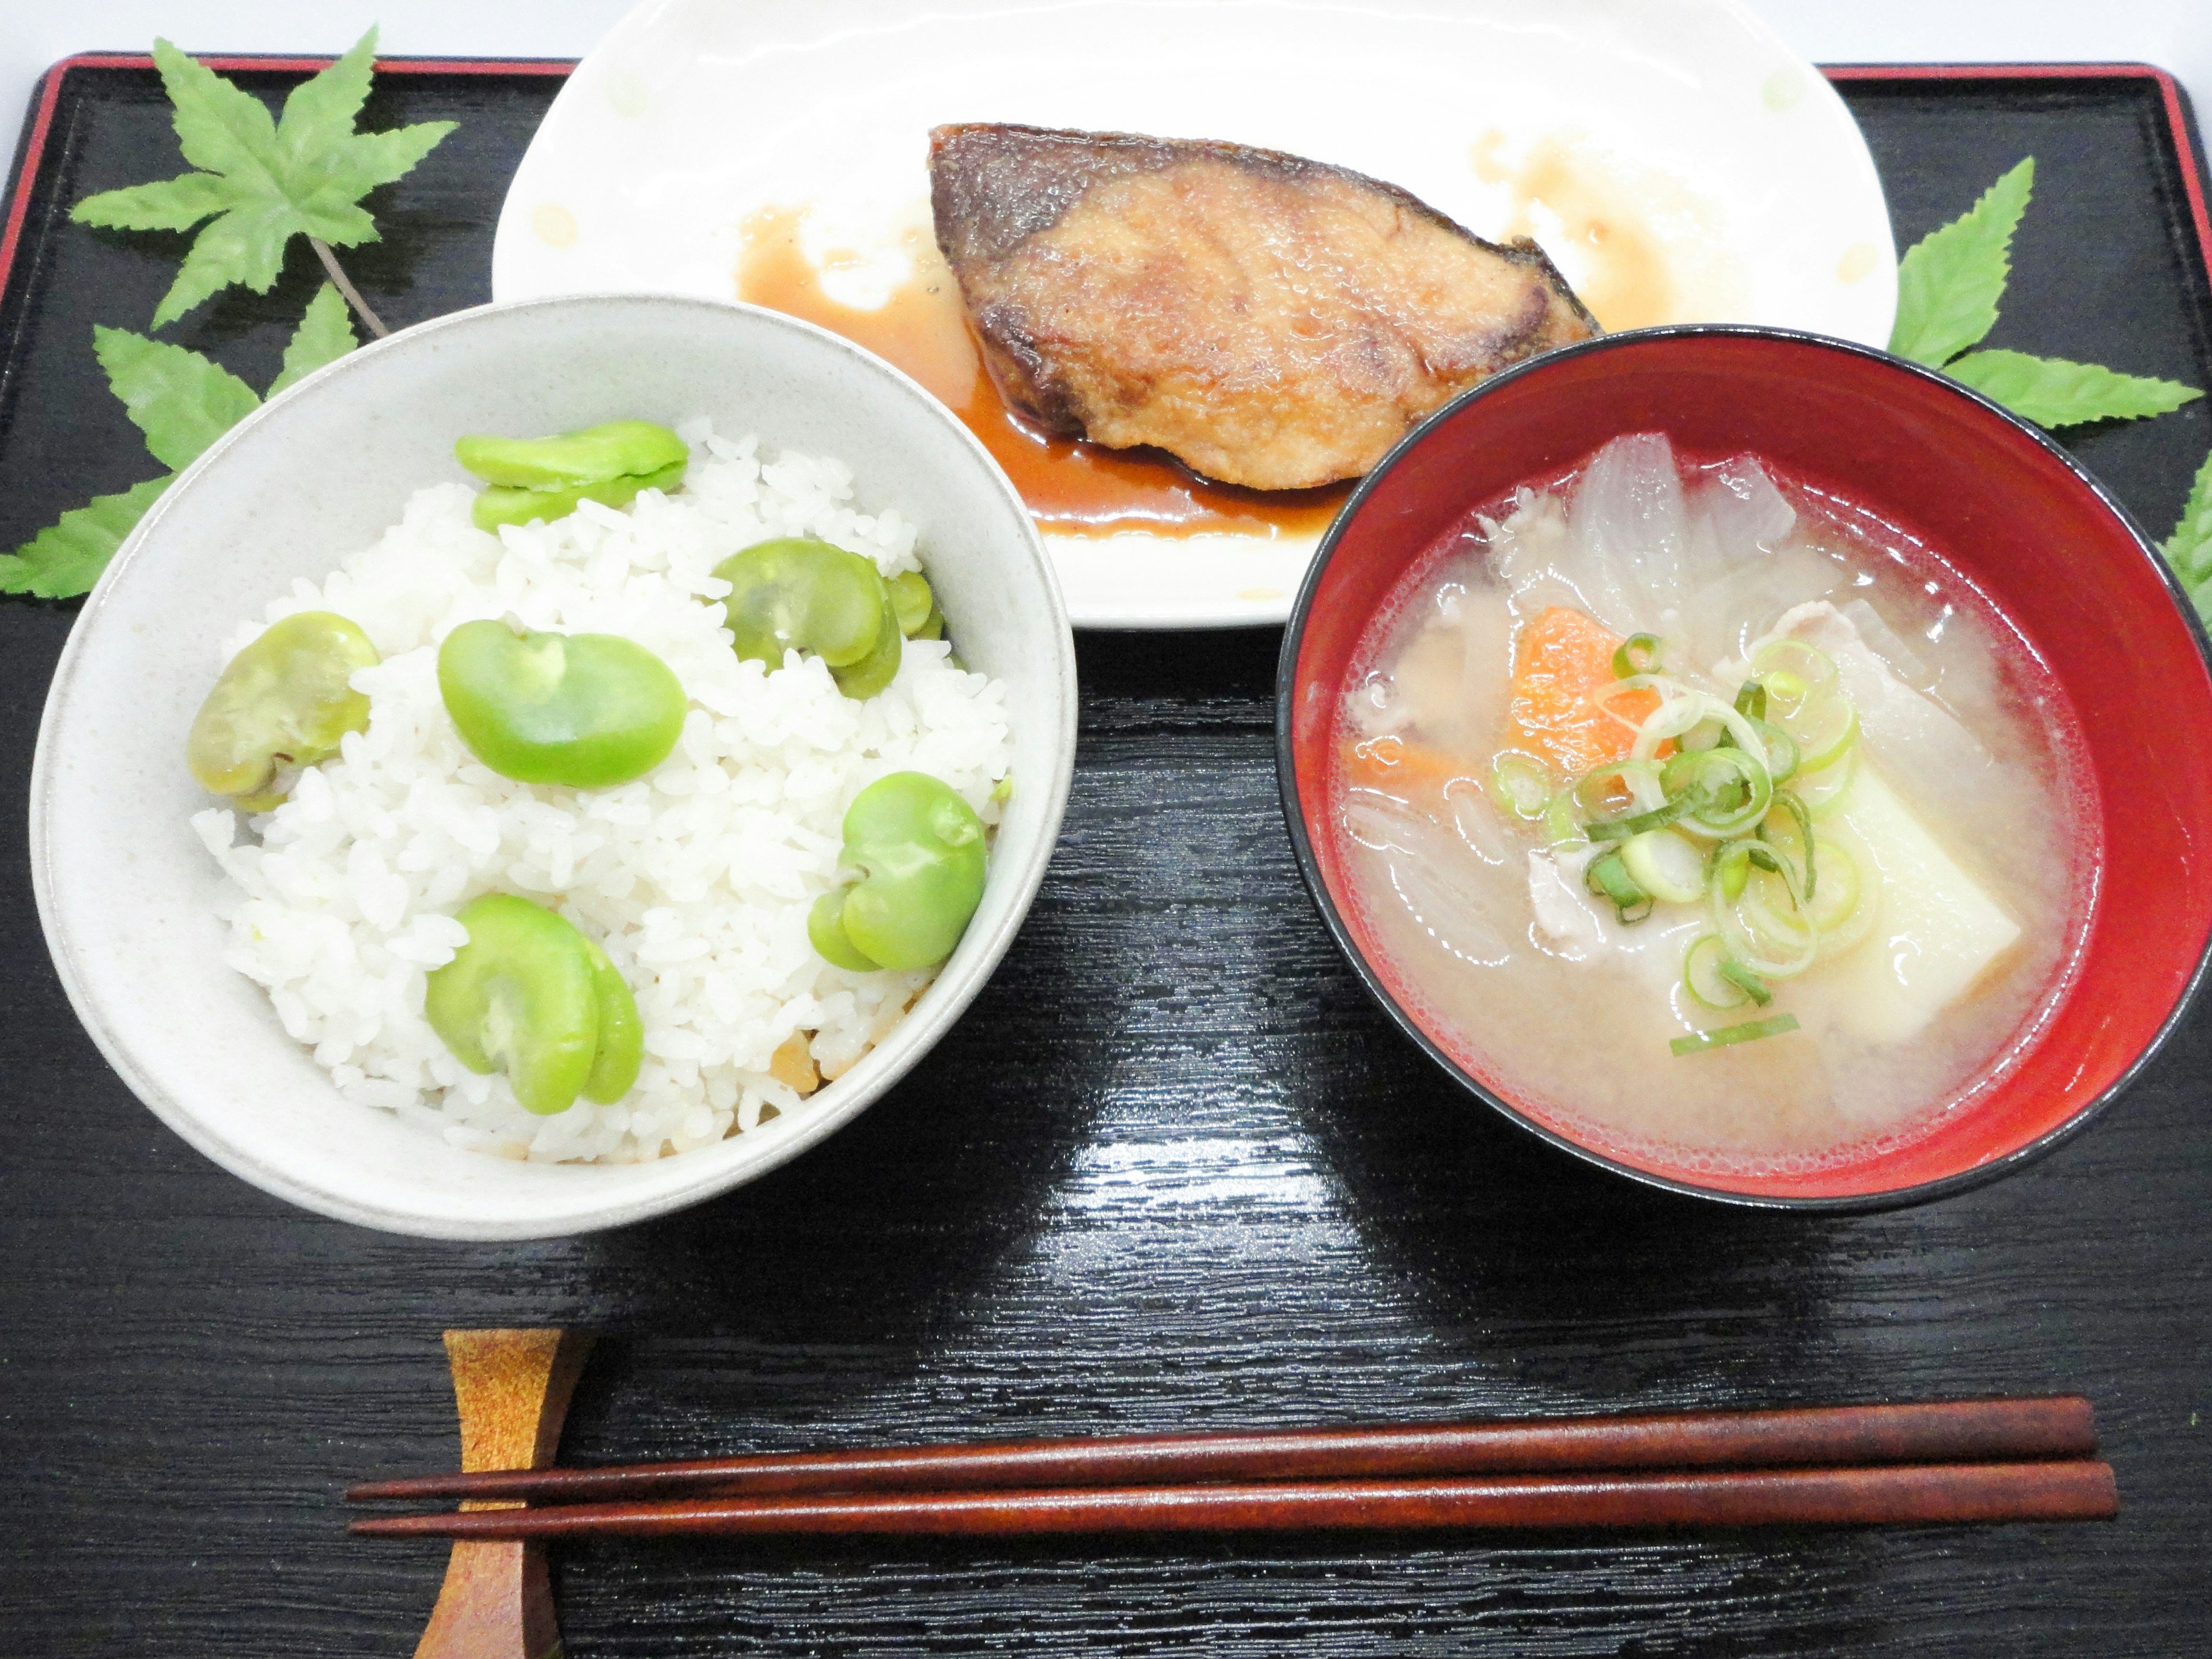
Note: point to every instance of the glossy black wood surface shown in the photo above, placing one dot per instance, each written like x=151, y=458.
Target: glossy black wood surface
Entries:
x=1172, y=1171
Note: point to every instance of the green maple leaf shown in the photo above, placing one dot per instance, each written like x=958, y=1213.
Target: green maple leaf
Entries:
x=179, y=400
x=1948, y=284
x=2189, y=549
x=65, y=558
x=261, y=182
x=2052, y=392
x=325, y=335
x=182, y=403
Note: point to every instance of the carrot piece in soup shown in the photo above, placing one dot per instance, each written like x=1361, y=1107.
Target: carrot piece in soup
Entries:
x=1401, y=768
x=1560, y=660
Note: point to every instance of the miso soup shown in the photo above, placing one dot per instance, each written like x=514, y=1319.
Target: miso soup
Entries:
x=1711, y=817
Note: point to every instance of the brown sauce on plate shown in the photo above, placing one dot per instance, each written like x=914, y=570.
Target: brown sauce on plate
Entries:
x=1628, y=281
x=1072, y=488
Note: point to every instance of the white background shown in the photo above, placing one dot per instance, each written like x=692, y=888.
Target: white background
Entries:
x=2175, y=34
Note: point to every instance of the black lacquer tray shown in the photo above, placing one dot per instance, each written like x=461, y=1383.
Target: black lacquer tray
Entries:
x=1173, y=1170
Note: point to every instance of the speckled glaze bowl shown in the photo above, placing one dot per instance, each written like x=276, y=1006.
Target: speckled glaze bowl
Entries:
x=2012, y=512
x=129, y=897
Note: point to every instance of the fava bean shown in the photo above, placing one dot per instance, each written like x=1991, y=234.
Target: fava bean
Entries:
x=864, y=678
x=526, y=995
x=912, y=600
x=281, y=705
x=920, y=848
x=586, y=710
x=919, y=618
x=500, y=505
x=546, y=477
x=798, y=593
x=593, y=455
x=825, y=931
x=621, y=1050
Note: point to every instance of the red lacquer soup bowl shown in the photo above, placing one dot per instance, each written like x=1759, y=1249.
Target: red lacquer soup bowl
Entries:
x=2012, y=515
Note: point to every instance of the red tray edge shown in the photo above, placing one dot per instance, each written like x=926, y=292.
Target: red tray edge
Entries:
x=32, y=149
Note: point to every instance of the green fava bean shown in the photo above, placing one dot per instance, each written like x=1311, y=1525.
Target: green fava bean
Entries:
x=912, y=599
x=621, y=1033
x=614, y=450
x=585, y=710
x=919, y=618
x=922, y=848
x=520, y=998
x=881, y=665
x=282, y=704
x=825, y=931
x=798, y=593
x=500, y=505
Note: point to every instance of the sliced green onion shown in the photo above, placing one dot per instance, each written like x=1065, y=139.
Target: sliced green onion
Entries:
x=1624, y=658
x=1730, y=788
x=1731, y=868
x=1638, y=823
x=1609, y=878
x=1706, y=734
x=1747, y=981
x=1683, y=712
x=1849, y=902
x=1686, y=712
x=1560, y=827
x=1782, y=750
x=1823, y=728
x=1665, y=866
x=1702, y=977
x=1839, y=895
x=1698, y=1042
x=1733, y=861
x=1642, y=777
x=1765, y=925
x=1521, y=782
x=1809, y=668
x=1785, y=685
x=1770, y=944
x=1803, y=815
x=1805, y=699
x=1751, y=700
x=1825, y=791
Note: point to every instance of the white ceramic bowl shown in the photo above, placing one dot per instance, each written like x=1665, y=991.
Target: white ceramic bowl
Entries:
x=127, y=896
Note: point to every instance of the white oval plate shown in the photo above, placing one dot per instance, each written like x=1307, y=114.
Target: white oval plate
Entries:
x=1686, y=125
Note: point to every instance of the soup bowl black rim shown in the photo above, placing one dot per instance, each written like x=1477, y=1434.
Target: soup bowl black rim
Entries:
x=1308, y=871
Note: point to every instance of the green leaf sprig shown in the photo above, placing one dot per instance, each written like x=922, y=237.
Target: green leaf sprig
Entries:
x=2189, y=549
x=257, y=183
x=261, y=182
x=181, y=401
x=1948, y=285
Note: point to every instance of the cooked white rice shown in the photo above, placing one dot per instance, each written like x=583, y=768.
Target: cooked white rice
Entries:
x=696, y=878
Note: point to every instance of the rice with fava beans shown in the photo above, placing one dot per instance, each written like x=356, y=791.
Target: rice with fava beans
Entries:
x=696, y=878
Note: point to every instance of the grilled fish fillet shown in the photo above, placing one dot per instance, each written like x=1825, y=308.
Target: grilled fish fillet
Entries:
x=1270, y=321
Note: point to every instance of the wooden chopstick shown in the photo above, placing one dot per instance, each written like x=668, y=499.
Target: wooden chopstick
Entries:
x=1958, y=1432
x=1919, y=1494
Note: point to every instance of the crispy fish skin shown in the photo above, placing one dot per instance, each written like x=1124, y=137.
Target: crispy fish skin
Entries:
x=1271, y=321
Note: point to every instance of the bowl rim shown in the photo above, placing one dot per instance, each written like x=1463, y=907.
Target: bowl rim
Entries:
x=567, y=1215
x=1309, y=870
